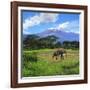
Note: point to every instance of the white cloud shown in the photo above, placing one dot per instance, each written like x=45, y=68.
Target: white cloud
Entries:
x=63, y=25
x=68, y=26
x=35, y=20
x=25, y=32
x=74, y=26
x=41, y=18
x=48, y=17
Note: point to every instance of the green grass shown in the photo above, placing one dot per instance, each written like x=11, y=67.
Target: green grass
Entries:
x=41, y=63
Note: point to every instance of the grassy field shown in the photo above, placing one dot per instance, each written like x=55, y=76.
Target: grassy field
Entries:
x=41, y=63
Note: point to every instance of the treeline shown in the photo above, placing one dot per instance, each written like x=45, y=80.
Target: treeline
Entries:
x=35, y=42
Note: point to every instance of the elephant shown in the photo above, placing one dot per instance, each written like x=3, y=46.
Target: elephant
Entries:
x=59, y=52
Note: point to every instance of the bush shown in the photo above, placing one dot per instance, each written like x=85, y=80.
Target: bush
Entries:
x=30, y=57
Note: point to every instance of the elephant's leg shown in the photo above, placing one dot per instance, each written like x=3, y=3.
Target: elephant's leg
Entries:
x=56, y=57
x=62, y=57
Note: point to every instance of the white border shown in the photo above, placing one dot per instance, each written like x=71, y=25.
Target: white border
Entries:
x=51, y=78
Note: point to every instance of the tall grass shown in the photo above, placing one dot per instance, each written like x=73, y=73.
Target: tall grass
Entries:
x=36, y=64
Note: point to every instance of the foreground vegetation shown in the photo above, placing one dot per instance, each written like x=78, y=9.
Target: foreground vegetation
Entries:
x=41, y=63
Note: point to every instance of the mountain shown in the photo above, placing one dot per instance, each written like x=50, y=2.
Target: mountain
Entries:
x=61, y=35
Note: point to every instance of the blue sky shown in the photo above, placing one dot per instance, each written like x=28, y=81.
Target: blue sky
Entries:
x=36, y=22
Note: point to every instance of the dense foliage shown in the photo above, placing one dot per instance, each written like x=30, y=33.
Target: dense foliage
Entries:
x=32, y=42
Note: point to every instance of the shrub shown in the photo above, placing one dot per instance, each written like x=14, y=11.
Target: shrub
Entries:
x=30, y=57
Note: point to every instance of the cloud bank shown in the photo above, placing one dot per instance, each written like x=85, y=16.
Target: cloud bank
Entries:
x=38, y=19
x=68, y=26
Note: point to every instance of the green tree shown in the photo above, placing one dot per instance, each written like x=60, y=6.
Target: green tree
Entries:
x=30, y=42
